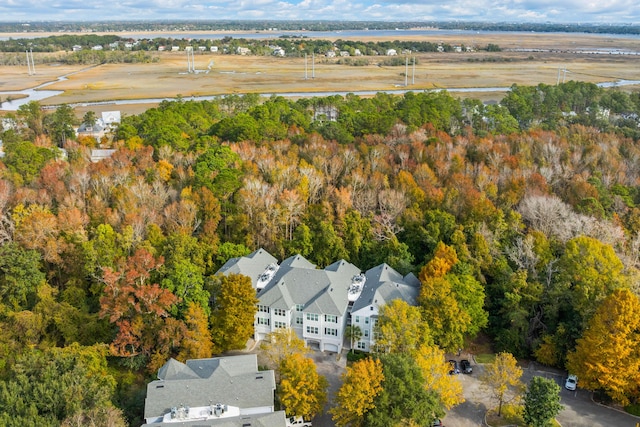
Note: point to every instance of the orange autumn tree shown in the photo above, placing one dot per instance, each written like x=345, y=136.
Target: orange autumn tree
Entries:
x=138, y=308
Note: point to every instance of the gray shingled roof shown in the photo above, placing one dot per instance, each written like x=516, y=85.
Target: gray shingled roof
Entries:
x=174, y=370
x=233, y=381
x=319, y=291
x=383, y=284
x=272, y=419
x=252, y=265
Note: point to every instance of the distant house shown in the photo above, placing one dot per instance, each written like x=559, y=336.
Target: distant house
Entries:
x=213, y=48
x=111, y=118
x=325, y=113
x=202, y=48
x=222, y=391
x=391, y=52
x=161, y=48
x=98, y=154
x=243, y=50
x=76, y=48
x=357, y=52
x=175, y=48
x=318, y=304
x=97, y=47
x=278, y=51
x=344, y=53
x=97, y=130
x=330, y=54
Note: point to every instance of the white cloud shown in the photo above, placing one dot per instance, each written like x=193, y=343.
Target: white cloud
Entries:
x=615, y=11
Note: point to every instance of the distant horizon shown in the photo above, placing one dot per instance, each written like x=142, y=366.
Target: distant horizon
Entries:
x=616, y=12
x=297, y=25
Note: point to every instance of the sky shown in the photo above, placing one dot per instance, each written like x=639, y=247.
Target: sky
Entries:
x=557, y=11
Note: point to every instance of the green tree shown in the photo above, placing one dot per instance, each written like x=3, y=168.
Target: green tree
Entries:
x=502, y=379
x=607, y=356
x=25, y=161
x=60, y=124
x=353, y=333
x=47, y=387
x=361, y=383
x=32, y=116
x=302, y=391
x=89, y=119
x=403, y=396
x=218, y=170
x=233, y=302
x=20, y=276
x=186, y=281
x=541, y=402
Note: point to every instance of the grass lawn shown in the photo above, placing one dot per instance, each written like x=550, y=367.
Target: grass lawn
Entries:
x=485, y=358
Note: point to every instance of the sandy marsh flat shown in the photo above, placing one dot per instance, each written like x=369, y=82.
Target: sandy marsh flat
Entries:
x=167, y=78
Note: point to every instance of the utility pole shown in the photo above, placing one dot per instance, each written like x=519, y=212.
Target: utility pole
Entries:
x=406, y=70
x=413, y=74
x=31, y=66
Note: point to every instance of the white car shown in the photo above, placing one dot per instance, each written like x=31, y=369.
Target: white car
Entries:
x=297, y=422
x=571, y=383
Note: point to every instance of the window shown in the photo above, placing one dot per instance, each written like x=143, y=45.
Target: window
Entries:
x=299, y=307
x=263, y=321
x=312, y=317
x=263, y=308
x=330, y=318
x=312, y=330
x=357, y=319
x=331, y=331
x=361, y=345
x=366, y=320
x=366, y=333
x=279, y=312
x=298, y=320
x=279, y=325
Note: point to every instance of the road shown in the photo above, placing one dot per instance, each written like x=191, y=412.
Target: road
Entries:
x=579, y=410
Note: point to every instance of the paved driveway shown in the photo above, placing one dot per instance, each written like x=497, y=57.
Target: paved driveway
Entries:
x=579, y=410
x=331, y=365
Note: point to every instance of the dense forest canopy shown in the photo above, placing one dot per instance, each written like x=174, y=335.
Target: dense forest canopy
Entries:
x=520, y=219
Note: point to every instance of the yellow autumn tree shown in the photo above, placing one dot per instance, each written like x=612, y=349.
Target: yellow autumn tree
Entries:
x=435, y=370
x=196, y=343
x=502, y=379
x=302, y=391
x=361, y=383
x=281, y=344
x=233, y=312
x=400, y=328
x=607, y=357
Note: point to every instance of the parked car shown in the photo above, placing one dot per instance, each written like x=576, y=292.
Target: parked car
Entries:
x=455, y=368
x=571, y=383
x=437, y=423
x=465, y=366
x=297, y=422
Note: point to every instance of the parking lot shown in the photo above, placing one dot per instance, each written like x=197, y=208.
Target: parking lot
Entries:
x=579, y=410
